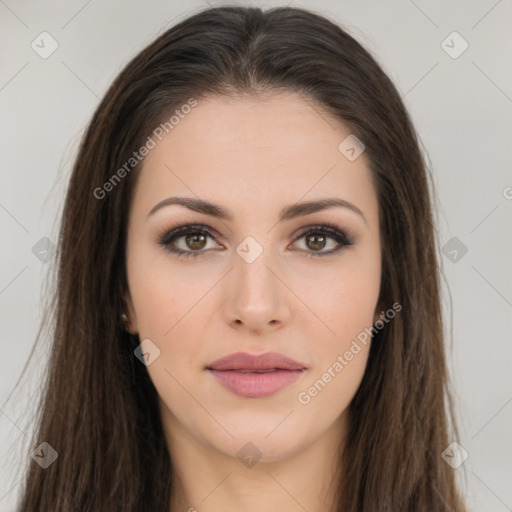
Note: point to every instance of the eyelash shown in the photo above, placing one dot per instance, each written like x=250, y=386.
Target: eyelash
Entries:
x=330, y=230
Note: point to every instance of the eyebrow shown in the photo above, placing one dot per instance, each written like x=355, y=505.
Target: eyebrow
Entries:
x=287, y=213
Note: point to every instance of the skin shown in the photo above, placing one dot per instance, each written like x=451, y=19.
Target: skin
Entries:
x=253, y=156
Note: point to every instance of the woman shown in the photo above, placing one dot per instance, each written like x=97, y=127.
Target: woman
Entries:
x=247, y=306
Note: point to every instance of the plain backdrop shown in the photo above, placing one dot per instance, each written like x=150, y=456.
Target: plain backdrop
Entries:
x=460, y=100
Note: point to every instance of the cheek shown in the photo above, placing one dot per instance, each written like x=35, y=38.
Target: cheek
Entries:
x=328, y=392
x=157, y=306
x=170, y=310
x=344, y=305
x=162, y=293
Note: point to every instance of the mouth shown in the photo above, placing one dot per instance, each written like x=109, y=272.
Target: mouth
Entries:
x=257, y=371
x=255, y=376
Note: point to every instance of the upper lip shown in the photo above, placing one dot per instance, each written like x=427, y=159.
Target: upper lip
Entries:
x=245, y=361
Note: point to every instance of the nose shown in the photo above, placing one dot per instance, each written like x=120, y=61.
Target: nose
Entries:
x=258, y=296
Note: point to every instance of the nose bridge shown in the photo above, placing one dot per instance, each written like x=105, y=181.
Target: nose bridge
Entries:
x=259, y=296
x=252, y=268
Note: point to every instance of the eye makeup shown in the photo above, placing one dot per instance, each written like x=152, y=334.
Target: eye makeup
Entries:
x=325, y=231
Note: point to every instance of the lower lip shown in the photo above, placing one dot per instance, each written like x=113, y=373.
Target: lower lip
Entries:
x=256, y=385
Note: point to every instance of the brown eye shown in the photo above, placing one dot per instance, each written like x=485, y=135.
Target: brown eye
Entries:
x=187, y=240
x=316, y=242
x=317, y=238
x=196, y=241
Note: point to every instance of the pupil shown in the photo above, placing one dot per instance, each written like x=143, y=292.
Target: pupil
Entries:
x=318, y=241
x=192, y=239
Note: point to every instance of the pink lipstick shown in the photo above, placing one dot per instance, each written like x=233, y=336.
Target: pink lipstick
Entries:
x=255, y=376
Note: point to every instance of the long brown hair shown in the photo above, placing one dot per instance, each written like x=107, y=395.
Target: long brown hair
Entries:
x=98, y=406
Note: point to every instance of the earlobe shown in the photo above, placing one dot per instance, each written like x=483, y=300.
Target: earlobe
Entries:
x=128, y=316
x=378, y=310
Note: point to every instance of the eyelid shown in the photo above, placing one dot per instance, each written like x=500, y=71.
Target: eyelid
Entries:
x=327, y=227
x=184, y=229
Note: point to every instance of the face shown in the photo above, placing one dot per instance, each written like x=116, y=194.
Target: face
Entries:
x=303, y=284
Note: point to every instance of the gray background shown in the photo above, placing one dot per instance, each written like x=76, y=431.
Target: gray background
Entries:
x=461, y=108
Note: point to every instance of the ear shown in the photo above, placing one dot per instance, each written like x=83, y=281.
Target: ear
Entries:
x=131, y=323
x=378, y=308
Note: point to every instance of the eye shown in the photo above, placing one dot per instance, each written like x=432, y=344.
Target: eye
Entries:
x=193, y=243
x=192, y=240
x=316, y=238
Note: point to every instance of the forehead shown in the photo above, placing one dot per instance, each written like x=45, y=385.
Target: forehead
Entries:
x=253, y=150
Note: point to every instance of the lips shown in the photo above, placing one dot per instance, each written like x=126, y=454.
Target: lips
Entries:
x=263, y=362
x=255, y=376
